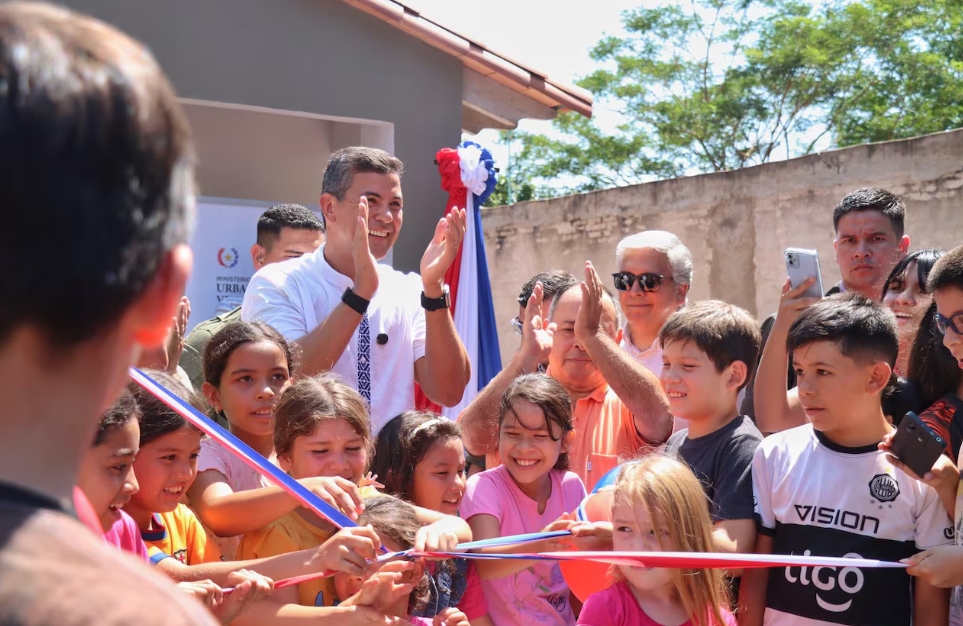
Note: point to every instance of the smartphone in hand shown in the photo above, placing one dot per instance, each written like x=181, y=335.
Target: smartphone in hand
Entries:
x=916, y=445
x=802, y=264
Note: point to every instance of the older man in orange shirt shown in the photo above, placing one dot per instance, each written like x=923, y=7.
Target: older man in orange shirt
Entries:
x=620, y=409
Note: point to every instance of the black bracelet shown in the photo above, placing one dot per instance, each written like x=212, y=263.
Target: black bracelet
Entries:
x=355, y=302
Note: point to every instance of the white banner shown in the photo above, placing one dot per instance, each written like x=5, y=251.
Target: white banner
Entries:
x=222, y=256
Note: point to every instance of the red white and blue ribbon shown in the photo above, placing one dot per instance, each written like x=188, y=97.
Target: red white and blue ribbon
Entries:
x=242, y=451
x=468, y=175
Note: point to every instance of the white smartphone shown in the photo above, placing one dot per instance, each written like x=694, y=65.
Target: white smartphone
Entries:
x=802, y=264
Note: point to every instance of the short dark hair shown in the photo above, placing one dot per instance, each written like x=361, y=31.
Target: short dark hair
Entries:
x=547, y=394
x=155, y=417
x=98, y=171
x=947, y=272
x=864, y=330
x=346, y=162
x=117, y=416
x=281, y=216
x=553, y=281
x=725, y=332
x=872, y=199
x=924, y=259
x=403, y=443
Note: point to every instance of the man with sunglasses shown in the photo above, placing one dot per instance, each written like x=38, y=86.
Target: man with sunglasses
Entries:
x=655, y=270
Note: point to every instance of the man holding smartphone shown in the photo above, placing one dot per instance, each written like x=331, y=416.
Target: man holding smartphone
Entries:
x=870, y=239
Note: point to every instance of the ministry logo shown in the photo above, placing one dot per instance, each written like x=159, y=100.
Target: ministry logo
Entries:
x=227, y=257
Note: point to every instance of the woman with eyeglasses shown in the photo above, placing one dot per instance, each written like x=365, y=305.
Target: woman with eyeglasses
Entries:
x=935, y=363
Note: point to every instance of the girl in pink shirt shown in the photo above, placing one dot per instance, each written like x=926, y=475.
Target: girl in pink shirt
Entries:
x=659, y=505
x=530, y=492
x=107, y=473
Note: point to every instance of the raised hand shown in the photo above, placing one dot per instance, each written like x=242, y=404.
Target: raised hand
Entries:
x=365, y=265
x=175, y=340
x=441, y=251
x=588, y=320
x=791, y=303
x=537, y=336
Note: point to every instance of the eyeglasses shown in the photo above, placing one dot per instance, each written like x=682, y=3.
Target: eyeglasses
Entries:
x=647, y=282
x=955, y=322
x=516, y=325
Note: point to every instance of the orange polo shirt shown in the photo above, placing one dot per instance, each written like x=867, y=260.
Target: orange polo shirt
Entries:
x=605, y=436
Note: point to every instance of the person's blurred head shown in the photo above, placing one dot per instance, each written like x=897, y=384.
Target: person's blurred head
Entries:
x=98, y=186
x=843, y=351
x=552, y=281
x=946, y=284
x=568, y=362
x=906, y=295
x=869, y=240
x=653, y=278
x=353, y=173
x=286, y=231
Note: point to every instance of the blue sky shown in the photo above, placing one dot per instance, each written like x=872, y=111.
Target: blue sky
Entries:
x=552, y=36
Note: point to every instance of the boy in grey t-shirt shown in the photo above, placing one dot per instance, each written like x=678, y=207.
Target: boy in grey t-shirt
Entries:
x=709, y=350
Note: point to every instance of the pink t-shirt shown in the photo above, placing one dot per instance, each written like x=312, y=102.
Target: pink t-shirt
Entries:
x=616, y=606
x=538, y=594
x=239, y=476
x=124, y=534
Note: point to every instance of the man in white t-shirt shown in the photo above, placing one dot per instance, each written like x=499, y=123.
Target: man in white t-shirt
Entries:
x=654, y=273
x=379, y=329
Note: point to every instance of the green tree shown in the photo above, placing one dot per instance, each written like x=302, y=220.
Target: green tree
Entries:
x=715, y=85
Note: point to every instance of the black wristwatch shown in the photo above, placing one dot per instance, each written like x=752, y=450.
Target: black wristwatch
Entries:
x=356, y=302
x=436, y=304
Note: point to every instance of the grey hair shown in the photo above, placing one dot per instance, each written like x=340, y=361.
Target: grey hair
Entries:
x=346, y=162
x=607, y=294
x=680, y=259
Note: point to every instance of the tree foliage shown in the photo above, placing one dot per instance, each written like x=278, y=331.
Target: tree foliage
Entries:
x=714, y=85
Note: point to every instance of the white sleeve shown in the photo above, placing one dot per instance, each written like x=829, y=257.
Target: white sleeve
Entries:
x=933, y=524
x=418, y=330
x=418, y=333
x=762, y=492
x=266, y=301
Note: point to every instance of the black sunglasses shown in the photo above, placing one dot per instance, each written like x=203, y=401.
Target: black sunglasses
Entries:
x=942, y=323
x=647, y=282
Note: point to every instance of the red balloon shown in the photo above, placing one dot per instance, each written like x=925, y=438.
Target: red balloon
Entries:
x=586, y=577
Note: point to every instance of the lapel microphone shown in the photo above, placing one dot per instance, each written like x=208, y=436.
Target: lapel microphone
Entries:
x=382, y=339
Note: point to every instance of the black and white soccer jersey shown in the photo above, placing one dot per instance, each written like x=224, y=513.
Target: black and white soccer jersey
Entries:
x=816, y=498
